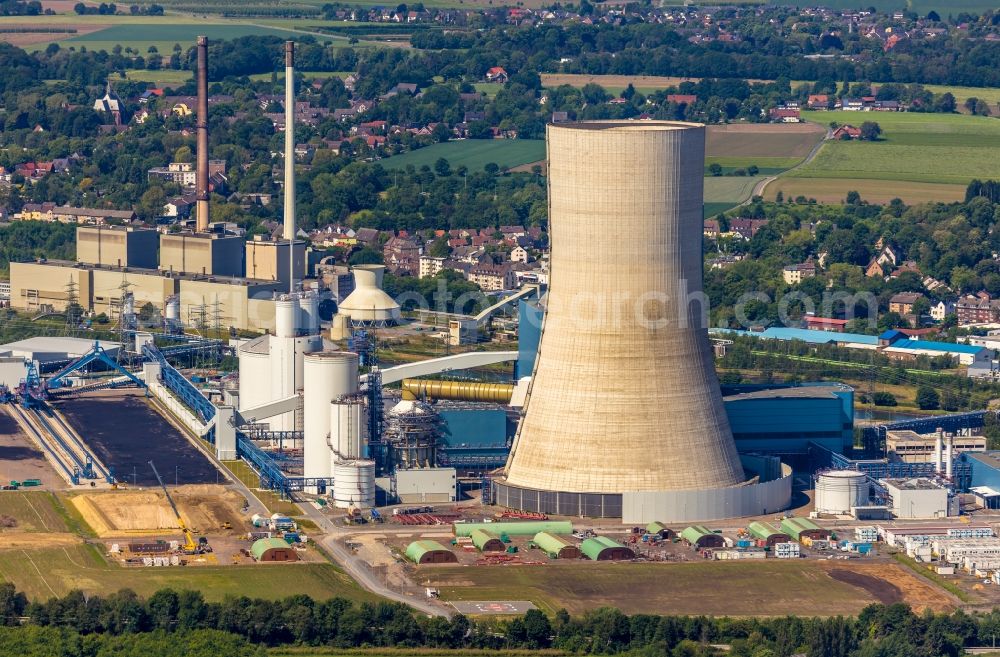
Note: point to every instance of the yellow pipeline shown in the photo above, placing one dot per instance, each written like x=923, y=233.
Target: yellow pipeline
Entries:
x=499, y=393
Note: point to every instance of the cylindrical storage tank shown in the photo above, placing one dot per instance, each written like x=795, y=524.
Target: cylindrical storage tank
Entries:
x=255, y=374
x=329, y=375
x=285, y=317
x=354, y=484
x=839, y=490
x=173, y=310
x=348, y=425
x=309, y=313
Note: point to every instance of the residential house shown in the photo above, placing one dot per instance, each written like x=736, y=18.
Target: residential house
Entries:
x=430, y=266
x=785, y=115
x=902, y=304
x=711, y=228
x=493, y=278
x=846, y=132
x=746, y=228
x=497, y=74
x=795, y=274
x=819, y=102
x=977, y=310
x=942, y=309
x=519, y=254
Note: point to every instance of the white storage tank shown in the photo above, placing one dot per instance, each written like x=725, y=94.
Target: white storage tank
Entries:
x=286, y=315
x=837, y=491
x=173, y=311
x=354, y=484
x=348, y=427
x=309, y=313
x=329, y=375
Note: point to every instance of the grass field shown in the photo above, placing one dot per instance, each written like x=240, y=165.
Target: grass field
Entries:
x=473, y=153
x=725, y=192
x=834, y=190
x=921, y=158
x=741, y=589
x=35, y=511
x=270, y=499
x=943, y=7
x=44, y=573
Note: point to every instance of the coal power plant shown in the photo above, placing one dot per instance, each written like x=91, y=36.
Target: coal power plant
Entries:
x=624, y=417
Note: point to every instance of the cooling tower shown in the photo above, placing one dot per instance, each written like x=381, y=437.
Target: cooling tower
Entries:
x=368, y=303
x=624, y=396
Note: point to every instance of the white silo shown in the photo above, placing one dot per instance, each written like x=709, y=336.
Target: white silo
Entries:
x=837, y=491
x=308, y=313
x=286, y=315
x=348, y=427
x=329, y=375
x=354, y=484
x=173, y=311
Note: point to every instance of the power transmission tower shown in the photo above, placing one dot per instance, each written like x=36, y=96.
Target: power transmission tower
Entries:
x=73, y=309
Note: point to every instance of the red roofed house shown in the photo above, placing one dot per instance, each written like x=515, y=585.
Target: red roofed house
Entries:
x=819, y=102
x=682, y=99
x=847, y=132
x=825, y=323
x=497, y=74
x=785, y=115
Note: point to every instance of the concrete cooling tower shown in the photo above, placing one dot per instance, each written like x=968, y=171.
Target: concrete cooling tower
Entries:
x=368, y=304
x=624, y=417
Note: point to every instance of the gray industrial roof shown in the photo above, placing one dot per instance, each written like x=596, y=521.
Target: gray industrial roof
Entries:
x=51, y=348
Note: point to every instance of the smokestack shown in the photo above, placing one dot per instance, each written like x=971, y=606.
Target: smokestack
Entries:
x=201, y=176
x=938, y=446
x=948, y=456
x=290, y=159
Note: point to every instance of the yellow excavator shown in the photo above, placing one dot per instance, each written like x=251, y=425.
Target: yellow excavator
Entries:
x=190, y=545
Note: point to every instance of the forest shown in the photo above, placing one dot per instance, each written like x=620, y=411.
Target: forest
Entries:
x=175, y=623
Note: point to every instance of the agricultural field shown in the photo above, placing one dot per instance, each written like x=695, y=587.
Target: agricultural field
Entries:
x=769, y=588
x=834, y=190
x=55, y=571
x=943, y=7
x=473, y=153
x=614, y=84
x=771, y=147
x=927, y=157
x=725, y=192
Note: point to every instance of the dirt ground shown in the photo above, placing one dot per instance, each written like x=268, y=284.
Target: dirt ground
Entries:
x=890, y=583
x=20, y=457
x=30, y=38
x=20, y=540
x=762, y=139
x=203, y=507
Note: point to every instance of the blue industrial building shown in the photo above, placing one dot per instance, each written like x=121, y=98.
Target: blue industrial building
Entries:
x=784, y=419
x=475, y=437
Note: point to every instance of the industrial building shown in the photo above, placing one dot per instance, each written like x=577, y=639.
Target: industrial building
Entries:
x=209, y=254
x=918, y=498
x=556, y=547
x=700, y=537
x=267, y=260
x=429, y=552
x=911, y=447
x=487, y=541
x=273, y=549
x=116, y=246
x=799, y=528
x=588, y=445
x=768, y=532
x=602, y=548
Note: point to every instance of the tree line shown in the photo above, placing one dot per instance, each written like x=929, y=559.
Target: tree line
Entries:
x=182, y=623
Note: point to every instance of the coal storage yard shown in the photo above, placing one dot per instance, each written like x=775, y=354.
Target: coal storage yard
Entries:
x=125, y=433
